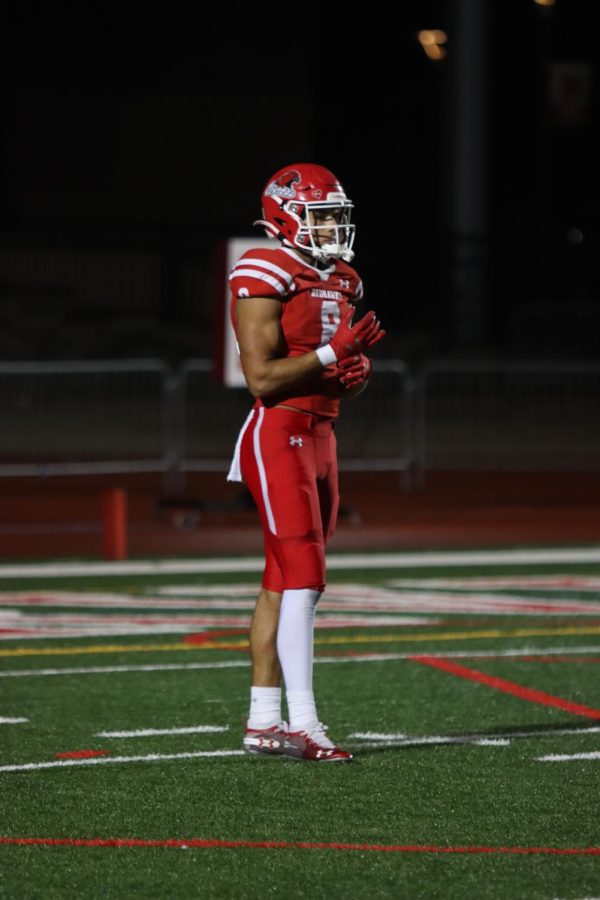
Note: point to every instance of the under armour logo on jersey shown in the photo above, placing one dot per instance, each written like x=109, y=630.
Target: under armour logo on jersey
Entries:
x=296, y=441
x=344, y=283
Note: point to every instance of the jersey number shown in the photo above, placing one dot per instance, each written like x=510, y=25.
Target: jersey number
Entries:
x=330, y=320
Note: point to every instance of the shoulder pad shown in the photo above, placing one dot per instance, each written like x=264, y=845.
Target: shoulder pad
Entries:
x=263, y=273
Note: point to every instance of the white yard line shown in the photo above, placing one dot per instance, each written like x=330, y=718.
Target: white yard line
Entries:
x=426, y=740
x=105, y=760
x=109, y=670
x=17, y=607
x=16, y=625
x=334, y=562
x=378, y=736
x=330, y=660
x=370, y=739
x=5, y=721
x=151, y=732
x=562, y=583
x=564, y=757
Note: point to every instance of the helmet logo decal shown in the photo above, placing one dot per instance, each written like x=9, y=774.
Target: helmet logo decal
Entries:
x=284, y=185
x=317, y=194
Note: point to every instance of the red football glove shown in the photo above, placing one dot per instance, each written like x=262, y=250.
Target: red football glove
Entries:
x=351, y=340
x=355, y=370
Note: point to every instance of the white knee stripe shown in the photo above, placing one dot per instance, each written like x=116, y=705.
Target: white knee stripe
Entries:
x=261, y=472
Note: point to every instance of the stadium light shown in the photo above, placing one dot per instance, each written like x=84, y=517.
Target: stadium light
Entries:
x=432, y=40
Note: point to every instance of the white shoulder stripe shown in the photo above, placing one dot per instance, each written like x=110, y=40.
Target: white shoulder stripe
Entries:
x=269, y=266
x=261, y=276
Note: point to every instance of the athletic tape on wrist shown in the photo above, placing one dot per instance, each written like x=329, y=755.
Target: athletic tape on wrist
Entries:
x=326, y=354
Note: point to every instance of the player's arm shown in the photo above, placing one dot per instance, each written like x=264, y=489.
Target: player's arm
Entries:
x=261, y=344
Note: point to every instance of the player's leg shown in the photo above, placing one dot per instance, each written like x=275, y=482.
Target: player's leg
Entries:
x=266, y=671
x=328, y=485
x=302, y=561
x=317, y=489
x=310, y=741
x=286, y=494
x=264, y=730
x=295, y=638
x=278, y=465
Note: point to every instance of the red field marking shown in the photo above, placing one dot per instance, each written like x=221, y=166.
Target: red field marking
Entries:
x=349, y=653
x=210, y=844
x=560, y=659
x=508, y=687
x=81, y=754
x=202, y=637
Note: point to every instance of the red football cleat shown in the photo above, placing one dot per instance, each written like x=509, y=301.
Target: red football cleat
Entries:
x=313, y=745
x=267, y=741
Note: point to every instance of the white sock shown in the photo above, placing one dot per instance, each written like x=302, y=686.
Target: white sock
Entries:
x=295, y=651
x=265, y=707
x=302, y=710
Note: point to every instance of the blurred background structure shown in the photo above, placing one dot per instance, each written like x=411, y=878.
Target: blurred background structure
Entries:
x=134, y=145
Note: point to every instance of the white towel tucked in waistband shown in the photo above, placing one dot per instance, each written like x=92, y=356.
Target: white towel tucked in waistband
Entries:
x=235, y=472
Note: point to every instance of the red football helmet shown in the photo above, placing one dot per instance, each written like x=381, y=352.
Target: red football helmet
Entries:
x=306, y=208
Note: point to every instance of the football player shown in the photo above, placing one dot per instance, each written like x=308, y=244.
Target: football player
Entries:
x=292, y=310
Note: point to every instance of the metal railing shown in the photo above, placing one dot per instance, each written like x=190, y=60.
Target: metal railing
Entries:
x=373, y=433
x=142, y=416
x=124, y=416
x=79, y=418
x=508, y=415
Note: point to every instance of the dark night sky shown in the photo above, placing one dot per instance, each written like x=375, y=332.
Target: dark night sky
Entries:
x=160, y=124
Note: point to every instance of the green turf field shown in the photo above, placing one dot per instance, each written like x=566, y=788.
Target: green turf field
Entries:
x=469, y=694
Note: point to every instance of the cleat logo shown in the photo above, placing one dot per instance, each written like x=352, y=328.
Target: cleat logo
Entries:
x=296, y=441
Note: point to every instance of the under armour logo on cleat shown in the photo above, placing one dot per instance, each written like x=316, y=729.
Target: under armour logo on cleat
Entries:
x=295, y=441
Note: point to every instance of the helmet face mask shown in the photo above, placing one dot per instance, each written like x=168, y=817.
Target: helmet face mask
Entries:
x=306, y=208
x=325, y=230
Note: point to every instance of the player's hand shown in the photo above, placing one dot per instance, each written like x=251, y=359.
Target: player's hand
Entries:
x=351, y=340
x=356, y=370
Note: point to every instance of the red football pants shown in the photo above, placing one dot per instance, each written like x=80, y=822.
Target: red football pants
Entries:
x=288, y=461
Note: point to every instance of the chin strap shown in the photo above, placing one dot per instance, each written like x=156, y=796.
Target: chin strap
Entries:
x=333, y=250
x=269, y=228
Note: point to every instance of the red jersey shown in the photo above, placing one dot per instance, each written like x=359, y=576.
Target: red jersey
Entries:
x=312, y=302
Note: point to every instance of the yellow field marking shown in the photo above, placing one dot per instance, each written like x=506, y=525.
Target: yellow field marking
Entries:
x=338, y=639
x=459, y=635
x=119, y=648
